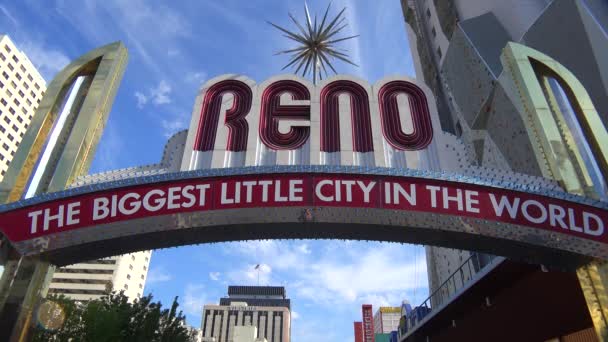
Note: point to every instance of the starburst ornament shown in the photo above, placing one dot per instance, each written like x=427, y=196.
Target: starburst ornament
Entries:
x=316, y=45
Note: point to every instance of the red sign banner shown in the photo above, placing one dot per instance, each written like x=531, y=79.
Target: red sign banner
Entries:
x=304, y=190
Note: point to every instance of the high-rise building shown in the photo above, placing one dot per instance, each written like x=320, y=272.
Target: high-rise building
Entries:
x=456, y=47
x=21, y=89
x=265, y=307
x=358, y=331
x=93, y=279
x=386, y=319
x=368, y=322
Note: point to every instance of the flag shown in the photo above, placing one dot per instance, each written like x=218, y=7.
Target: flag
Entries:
x=257, y=266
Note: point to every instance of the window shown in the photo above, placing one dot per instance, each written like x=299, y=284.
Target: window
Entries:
x=141, y=286
x=132, y=257
x=145, y=268
x=11, y=110
x=130, y=267
x=3, y=172
x=24, y=111
x=10, y=137
x=7, y=120
x=18, y=76
x=29, y=77
x=15, y=59
x=36, y=86
x=15, y=101
x=126, y=287
x=29, y=103
x=32, y=94
x=128, y=276
x=1, y=156
x=8, y=49
x=26, y=86
x=21, y=93
x=3, y=101
x=2, y=129
x=10, y=66
x=5, y=146
x=13, y=84
x=142, y=277
x=5, y=74
x=15, y=128
x=2, y=57
x=147, y=259
x=8, y=93
x=1, y=85
x=22, y=68
x=434, y=32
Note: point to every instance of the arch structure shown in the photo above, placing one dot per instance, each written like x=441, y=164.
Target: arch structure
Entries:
x=533, y=220
x=343, y=159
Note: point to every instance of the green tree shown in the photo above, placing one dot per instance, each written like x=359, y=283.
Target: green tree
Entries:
x=114, y=318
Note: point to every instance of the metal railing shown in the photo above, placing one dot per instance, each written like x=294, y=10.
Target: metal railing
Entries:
x=461, y=277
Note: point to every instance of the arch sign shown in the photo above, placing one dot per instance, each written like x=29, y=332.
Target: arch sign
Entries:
x=288, y=159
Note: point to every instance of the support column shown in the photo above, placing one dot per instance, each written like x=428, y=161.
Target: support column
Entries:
x=593, y=279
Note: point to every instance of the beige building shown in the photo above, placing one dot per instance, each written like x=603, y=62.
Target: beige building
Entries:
x=21, y=89
x=92, y=279
x=265, y=308
x=386, y=319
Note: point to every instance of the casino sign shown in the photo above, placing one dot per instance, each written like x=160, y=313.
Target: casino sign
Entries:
x=287, y=159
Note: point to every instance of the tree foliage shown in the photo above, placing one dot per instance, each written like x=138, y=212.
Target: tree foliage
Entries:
x=112, y=318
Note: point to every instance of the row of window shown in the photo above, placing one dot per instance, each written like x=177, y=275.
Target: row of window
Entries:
x=16, y=60
x=14, y=85
x=434, y=32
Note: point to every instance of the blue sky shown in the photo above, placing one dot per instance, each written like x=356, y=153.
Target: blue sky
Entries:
x=174, y=46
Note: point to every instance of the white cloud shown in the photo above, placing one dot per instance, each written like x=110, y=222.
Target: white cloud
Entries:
x=141, y=99
x=353, y=272
x=214, y=275
x=304, y=248
x=194, y=299
x=196, y=77
x=158, y=95
x=148, y=27
x=158, y=275
x=47, y=60
x=8, y=15
x=294, y=314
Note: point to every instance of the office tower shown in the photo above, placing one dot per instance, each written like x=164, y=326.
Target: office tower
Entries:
x=456, y=48
x=21, y=89
x=265, y=307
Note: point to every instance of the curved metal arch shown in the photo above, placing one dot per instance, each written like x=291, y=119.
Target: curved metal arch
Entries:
x=72, y=158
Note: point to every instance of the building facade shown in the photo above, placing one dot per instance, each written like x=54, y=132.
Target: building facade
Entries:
x=264, y=307
x=358, y=327
x=21, y=89
x=386, y=319
x=452, y=41
x=93, y=279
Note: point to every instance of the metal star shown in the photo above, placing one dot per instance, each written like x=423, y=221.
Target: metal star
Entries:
x=316, y=44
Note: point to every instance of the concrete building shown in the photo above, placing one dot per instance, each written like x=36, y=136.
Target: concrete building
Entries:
x=93, y=279
x=21, y=89
x=358, y=327
x=264, y=307
x=452, y=41
x=457, y=49
x=386, y=319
